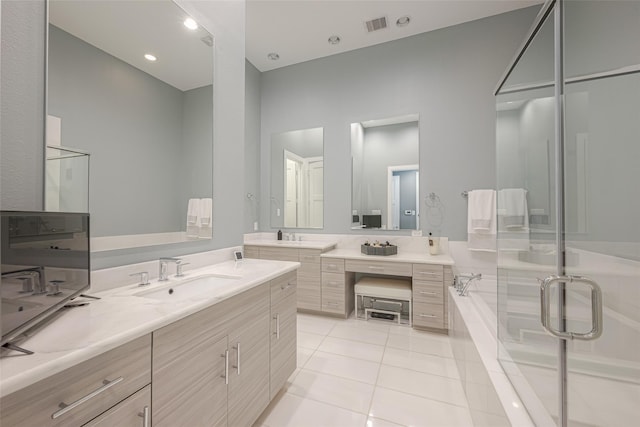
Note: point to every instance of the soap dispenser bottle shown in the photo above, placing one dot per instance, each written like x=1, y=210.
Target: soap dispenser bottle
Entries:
x=279, y=234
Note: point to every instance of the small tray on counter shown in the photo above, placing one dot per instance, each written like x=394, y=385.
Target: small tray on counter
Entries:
x=379, y=250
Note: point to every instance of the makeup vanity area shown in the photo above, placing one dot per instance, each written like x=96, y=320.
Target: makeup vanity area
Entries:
x=327, y=276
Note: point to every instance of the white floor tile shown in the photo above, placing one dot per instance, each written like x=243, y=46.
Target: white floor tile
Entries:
x=379, y=325
x=303, y=356
x=377, y=422
x=310, y=341
x=315, y=324
x=427, y=363
x=421, y=344
x=357, y=350
x=424, y=385
x=295, y=411
x=348, y=394
x=360, y=334
x=409, y=410
x=343, y=366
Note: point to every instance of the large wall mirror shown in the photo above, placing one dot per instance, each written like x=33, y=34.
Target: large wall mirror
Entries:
x=385, y=174
x=130, y=83
x=297, y=174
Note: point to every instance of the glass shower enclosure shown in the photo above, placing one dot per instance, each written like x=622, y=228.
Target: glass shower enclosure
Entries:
x=568, y=163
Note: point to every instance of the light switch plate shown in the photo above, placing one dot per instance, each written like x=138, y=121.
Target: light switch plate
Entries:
x=416, y=233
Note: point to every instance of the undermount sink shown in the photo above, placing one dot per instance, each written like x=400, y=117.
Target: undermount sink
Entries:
x=205, y=286
x=10, y=306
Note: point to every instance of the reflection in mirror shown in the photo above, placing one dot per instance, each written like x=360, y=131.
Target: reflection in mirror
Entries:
x=297, y=170
x=148, y=125
x=525, y=141
x=385, y=174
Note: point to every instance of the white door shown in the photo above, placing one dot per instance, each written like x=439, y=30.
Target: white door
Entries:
x=316, y=193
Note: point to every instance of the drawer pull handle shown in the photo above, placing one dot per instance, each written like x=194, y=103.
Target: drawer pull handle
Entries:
x=64, y=408
x=428, y=273
x=376, y=268
x=331, y=303
x=427, y=315
x=145, y=417
x=237, y=365
x=428, y=293
x=285, y=287
x=277, y=317
x=334, y=283
x=226, y=367
x=332, y=266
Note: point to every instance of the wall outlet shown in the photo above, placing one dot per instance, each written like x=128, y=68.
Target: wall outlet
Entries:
x=416, y=233
x=255, y=226
x=278, y=212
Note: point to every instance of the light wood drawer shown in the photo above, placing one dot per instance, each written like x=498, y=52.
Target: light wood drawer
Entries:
x=330, y=305
x=127, y=368
x=132, y=412
x=309, y=298
x=432, y=292
x=333, y=265
x=433, y=272
x=282, y=287
x=279, y=254
x=309, y=256
x=251, y=251
x=333, y=281
x=379, y=267
x=428, y=315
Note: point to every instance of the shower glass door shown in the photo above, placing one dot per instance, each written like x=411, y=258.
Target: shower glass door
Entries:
x=602, y=206
x=526, y=149
x=568, y=138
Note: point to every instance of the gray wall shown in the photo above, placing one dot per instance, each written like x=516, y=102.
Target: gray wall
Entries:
x=23, y=27
x=252, y=147
x=446, y=76
x=22, y=106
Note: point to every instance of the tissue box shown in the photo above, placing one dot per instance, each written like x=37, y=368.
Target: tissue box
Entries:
x=379, y=250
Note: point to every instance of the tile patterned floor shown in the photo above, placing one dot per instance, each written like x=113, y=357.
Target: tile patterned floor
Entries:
x=369, y=374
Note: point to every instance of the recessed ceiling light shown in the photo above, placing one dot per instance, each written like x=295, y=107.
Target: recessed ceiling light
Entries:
x=334, y=39
x=273, y=56
x=190, y=24
x=403, y=21
x=150, y=57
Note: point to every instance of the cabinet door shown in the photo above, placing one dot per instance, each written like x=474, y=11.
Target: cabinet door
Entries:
x=283, y=342
x=135, y=411
x=248, y=391
x=189, y=383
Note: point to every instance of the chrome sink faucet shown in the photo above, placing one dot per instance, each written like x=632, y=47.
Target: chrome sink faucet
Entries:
x=32, y=280
x=163, y=274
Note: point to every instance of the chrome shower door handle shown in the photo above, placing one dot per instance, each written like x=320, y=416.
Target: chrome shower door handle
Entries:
x=596, y=307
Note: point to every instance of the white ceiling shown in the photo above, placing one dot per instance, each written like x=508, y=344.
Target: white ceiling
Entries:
x=298, y=30
x=127, y=29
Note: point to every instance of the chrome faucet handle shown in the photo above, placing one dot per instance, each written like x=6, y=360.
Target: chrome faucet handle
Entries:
x=179, y=265
x=163, y=274
x=144, y=277
x=54, y=288
x=27, y=284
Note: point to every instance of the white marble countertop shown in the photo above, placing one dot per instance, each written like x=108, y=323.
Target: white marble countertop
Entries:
x=77, y=334
x=401, y=256
x=294, y=244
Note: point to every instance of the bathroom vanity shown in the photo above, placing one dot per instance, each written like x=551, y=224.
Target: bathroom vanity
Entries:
x=135, y=358
x=309, y=274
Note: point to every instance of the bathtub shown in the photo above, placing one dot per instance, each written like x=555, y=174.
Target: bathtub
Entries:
x=472, y=325
x=592, y=365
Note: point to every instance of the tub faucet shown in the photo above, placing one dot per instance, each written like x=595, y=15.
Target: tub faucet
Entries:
x=163, y=274
x=462, y=282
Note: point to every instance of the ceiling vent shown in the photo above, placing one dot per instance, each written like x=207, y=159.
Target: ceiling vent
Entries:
x=376, y=24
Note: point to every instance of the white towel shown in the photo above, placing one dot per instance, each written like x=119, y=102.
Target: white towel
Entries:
x=513, y=203
x=513, y=220
x=481, y=221
x=206, y=213
x=193, y=211
x=482, y=209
